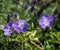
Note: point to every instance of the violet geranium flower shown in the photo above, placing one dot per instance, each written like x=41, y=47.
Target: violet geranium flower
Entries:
x=15, y=15
x=34, y=2
x=8, y=30
x=26, y=5
x=46, y=21
x=20, y=26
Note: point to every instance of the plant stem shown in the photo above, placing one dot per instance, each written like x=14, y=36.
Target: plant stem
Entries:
x=22, y=46
x=36, y=45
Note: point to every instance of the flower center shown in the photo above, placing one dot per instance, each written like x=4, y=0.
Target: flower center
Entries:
x=9, y=29
x=46, y=21
x=21, y=25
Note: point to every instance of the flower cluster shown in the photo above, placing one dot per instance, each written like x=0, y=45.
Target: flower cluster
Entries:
x=26, y=5
x=19, y=26
x=34, y=2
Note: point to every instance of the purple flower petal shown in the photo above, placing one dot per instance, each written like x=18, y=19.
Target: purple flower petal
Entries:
x=23, y=30
x=8, y=29
x=6, y=33
x=18, y=29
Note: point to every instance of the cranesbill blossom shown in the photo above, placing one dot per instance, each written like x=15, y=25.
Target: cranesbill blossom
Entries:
x=34, y=2
x=15, y=15
x=8, y=30
x=26, y=5
x=46, y=21
x=20, y=26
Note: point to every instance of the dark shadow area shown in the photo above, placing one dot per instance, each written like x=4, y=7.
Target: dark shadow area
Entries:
x=12, y=45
